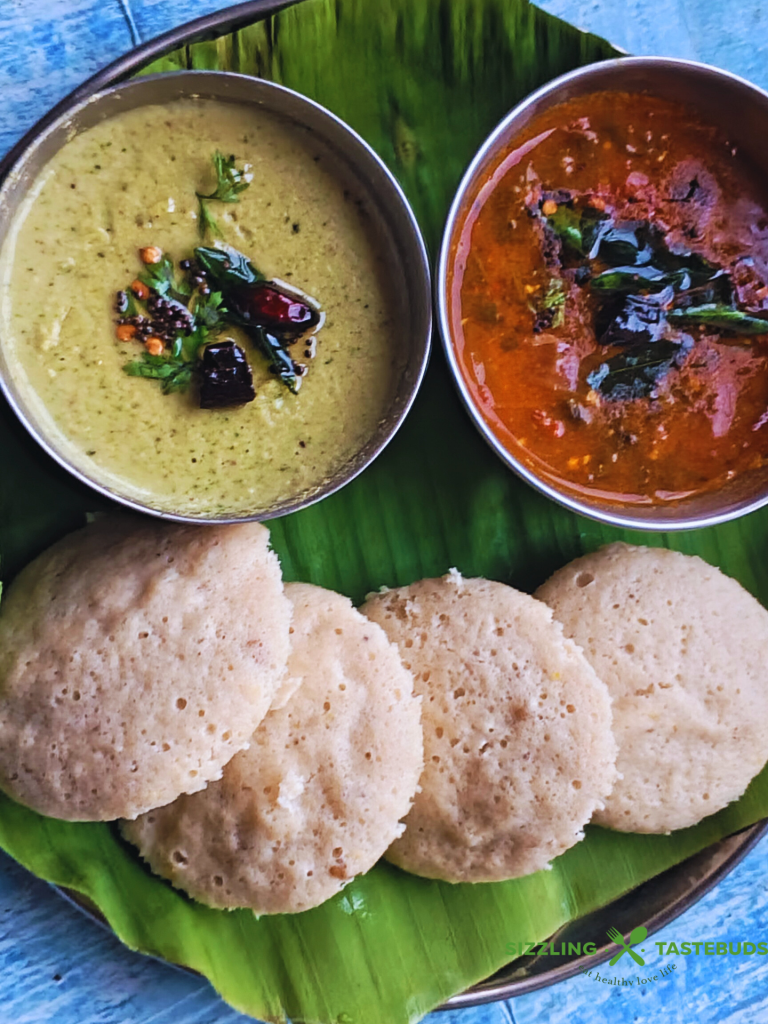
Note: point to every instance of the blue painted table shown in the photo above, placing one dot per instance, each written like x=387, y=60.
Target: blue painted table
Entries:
x=57, y=966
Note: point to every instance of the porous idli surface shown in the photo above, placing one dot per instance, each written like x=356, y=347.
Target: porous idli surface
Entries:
x=518, y=746
x=136, y=659
x=318, y=796
x=683, y=650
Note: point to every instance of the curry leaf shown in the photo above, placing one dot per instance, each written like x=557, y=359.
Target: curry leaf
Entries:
x=277, y=355
x=578, y=228
x=724, y=318
x=635, y=280
x=228, y=267
x=636, y=373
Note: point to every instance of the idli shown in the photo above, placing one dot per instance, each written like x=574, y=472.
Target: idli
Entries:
x=318, y=796
x=683, y=650
x=518, y=745
x=136, y=659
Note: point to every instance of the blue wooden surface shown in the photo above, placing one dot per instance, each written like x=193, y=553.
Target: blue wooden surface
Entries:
x=57, y=966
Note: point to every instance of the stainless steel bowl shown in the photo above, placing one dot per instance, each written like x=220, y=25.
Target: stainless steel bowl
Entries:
x=721, y=99
x=406, y=258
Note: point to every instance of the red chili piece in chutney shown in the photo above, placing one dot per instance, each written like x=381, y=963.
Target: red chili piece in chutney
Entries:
x=269, y=307
x=648, y=161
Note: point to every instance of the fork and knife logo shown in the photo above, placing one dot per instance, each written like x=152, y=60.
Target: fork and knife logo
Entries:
x=636, y=935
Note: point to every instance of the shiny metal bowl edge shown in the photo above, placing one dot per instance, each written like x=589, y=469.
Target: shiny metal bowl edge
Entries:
x=401, y=237
x=727, y=101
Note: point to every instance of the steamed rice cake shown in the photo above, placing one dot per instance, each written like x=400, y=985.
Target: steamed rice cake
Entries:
x=318, y=796
x=518, y=745
x=683, y=650
x=135, y=662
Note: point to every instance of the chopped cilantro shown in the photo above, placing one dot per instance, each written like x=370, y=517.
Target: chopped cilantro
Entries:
x=209, y=310
x=230, y=182
x=174, y=372
x=158, y=276
x=161, y=278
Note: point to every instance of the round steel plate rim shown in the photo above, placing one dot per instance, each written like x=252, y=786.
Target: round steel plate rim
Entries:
x=489, y=992
x=574, y=504
x=207, y=26
x=478, y=994
x=228, y=20
x=421, y=286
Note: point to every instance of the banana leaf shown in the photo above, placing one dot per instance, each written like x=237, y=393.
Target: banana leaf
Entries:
x=423, y=82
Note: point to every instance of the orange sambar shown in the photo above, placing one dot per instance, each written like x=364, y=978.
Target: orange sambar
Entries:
x=646, y=160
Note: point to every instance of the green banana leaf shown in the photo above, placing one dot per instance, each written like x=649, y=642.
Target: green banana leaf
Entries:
x=423, y=81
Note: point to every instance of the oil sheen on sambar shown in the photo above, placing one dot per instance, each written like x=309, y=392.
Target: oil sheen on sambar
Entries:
x=708, y=422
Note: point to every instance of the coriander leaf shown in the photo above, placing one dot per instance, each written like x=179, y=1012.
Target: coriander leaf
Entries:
x=190, y=344
x=158, y=276
x=181, y=290
x=230, y=182
x=174, y=373
x=206, y=223
x=210, y=315
x=161, y=278
x=550, y=313
x=210, y=311
x=178, y=381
